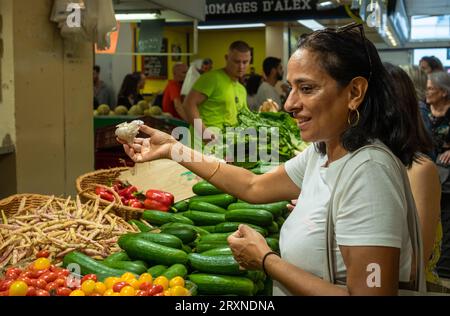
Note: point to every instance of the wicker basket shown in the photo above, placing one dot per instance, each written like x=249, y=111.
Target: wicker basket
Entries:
x=10, y=205
x=87, y=183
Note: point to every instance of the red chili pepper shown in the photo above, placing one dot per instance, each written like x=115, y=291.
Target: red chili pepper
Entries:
x=128, y=192
x=160, y=196
x=155, y=205
x=106, y=196
x=137, y=204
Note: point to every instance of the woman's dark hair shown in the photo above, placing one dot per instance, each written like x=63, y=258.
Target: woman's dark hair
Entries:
x=130, y=85
x=407, y=97
x=253, y=83
x=434, y=63
x=345, y=55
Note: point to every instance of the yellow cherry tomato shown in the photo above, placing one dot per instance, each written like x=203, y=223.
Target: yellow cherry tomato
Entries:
x=18, y=288
x=116, y=294
x=135, y=283
x=88, y=287
x=100, y=288
x=179, y=291
x=77, y=293
x=127, y=291
x=163, y=281
x=146, y=277
x=176, y=281
x=167, y=292
x=42, y=264
x=109, y=282
x=108, y=292
x=127, y=276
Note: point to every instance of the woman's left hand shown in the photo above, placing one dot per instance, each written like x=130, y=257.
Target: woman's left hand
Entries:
x=445, y=157
x=248, y=247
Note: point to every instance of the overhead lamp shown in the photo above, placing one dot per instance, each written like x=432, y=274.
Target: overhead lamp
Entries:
x=230, y=26
x=311, y=24
x=136, y=16
x=326, y=5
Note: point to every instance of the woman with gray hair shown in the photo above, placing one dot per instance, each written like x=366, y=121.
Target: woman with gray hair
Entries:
x=438, y=97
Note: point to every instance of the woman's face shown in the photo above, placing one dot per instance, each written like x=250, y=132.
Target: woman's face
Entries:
x=434, y=94
x=425, y=67
x=316, y=101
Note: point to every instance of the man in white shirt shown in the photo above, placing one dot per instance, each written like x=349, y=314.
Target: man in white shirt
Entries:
x=273, y=70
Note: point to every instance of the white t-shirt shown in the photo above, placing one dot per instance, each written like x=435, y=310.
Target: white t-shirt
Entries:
x=370, y=211
x=266, y=91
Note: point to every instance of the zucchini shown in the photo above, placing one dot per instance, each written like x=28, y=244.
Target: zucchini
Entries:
x=157, y=270
x=251, y=216
x=203, y=218
x=137, y=267
x=225, y=250
x=205, y=188
x=273, y=243
x=181, y=206
x=222, y=264
x=159, y=218
x=175, y=270
x=185, y=234
x=255, y=275
x=260, y=286
x=273, y=228
x=151, y=252
x=210, y=229
x=118, y=256
x=212, y=284
x=234, y=226
x=206, y=207
x=276, y=209
x=216, y=237
x=88, y=265
x=199, y=230
x=204, y=246
x=141, y=226
x=222, y=200
x=268, y=287
x=161, y=239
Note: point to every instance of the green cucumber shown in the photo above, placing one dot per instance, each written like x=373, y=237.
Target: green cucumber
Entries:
x=273, y=228
x=181, y=206
x=225, y=250
x=255, y=275
x=161, y=239
x=141, y=226
x=222, y=264
x=118, y=256
x=87, y=265
x=199, y=230
x=206, y=207
x=136, y=267
x=191, y=287
x=205, y=188
x=211, y=228
x=273, y=243
x=151, y=252
x=185, y=234
x=268, y=287
x=222, y=200
x=274, y=236
x=260, y=286
x=250, y=216
x=203, y=218
x=157, y=270
x=175, y=270
x=233, y=226
x=280, y=221
x=216, y=237
x=186, y=249
x=204, y=246
x=276, y=209
x=159, y=218
x=212, y=284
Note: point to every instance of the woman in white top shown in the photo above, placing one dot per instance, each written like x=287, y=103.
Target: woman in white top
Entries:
x=343, y=100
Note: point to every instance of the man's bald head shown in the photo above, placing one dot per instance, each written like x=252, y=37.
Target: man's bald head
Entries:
x=179, y=72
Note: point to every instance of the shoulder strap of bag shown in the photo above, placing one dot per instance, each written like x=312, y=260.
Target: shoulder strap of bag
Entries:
x=412, y=219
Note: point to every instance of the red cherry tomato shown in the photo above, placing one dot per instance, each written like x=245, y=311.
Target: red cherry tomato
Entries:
x=48, y=277
x=51, y=286
x=155, y=290
x=41, y=284
x=63, y=291
x=89, y=277
x=26, y=274
x=31, y=291
x=141, y=293
x=118, y=286
x=28, y=281
x=63, y=273
x=43, y=254
x=60, y=282
x=95, y=294
x=159, y=294
x=6, y=284
x=32, y=282
x=4, y=293
x=40, y=292
x=12, y=273
x=145, y=286
x=38, y=273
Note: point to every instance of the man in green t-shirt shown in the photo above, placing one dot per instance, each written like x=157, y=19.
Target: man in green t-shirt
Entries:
x=217, y=96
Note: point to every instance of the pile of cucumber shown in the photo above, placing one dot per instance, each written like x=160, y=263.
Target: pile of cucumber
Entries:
x=192, y=242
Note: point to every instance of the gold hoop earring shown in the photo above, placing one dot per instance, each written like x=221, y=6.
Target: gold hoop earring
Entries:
x=355, y=123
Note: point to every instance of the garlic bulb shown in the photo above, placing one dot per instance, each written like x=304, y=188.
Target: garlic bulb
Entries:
x=128, y=131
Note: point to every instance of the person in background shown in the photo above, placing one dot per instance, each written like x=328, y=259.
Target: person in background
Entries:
x=438, y=97
x=217, y=96
x=430, y=64
x=196, y=69
x=273, y=71
x=103, y=94
x=129, y=93
x=252, y=85
x=172, y=93
x=423, y=175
